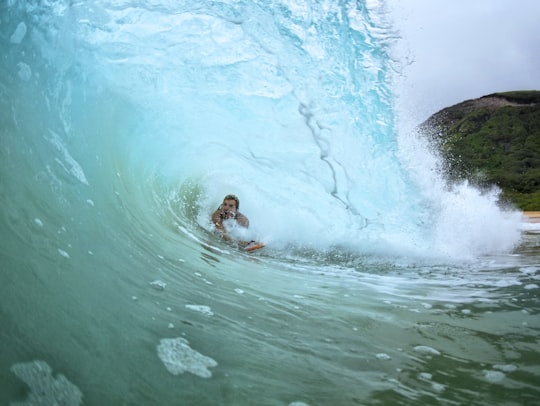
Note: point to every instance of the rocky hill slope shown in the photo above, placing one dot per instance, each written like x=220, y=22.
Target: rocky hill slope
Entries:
x=492, y=140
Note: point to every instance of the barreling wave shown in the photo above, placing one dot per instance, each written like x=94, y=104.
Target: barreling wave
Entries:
x=287, y=104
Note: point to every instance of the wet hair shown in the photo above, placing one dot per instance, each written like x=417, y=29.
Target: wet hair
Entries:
x=233, y=197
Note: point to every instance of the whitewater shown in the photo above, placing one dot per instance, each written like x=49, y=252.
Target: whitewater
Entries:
x=123, y=123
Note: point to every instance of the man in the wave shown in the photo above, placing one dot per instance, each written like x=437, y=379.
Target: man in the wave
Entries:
x=228, y=210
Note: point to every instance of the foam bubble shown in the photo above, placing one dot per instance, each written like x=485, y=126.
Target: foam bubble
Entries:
x=178, y=357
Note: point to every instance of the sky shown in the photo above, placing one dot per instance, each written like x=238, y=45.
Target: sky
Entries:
x=455, y=50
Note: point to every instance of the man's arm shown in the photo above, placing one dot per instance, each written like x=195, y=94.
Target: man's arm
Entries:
x=217, y=220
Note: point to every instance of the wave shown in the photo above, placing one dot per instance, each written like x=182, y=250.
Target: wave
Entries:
x=287, y=105
x=123, y=125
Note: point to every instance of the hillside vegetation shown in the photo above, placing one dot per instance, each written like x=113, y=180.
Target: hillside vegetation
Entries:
x=493, y=140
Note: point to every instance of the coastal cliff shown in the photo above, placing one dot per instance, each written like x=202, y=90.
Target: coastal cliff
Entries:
x=492, y=140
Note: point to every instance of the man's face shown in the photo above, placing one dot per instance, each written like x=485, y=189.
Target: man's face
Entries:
x=228, y=209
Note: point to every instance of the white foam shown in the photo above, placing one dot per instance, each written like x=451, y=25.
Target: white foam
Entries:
x=206, y=310
x=505, y=368
x=44, y=388
x=424, y=349
x=25, y=72
x=158, y=284
x=494, y=376
x=437, y=387
x=426, y=376
x=178, y=357
x=529, y=269
x=19, y=33
x=69, y=164
x=527, y=226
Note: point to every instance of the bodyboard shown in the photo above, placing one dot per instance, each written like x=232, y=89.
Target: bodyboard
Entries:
x=253, y=246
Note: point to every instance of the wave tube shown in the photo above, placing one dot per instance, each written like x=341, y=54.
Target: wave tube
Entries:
x=287, y=104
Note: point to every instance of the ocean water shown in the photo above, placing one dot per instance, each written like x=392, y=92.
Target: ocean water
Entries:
x=123, y=123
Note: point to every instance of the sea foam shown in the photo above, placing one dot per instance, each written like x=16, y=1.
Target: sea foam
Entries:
x=44, y=388
x=178, y=357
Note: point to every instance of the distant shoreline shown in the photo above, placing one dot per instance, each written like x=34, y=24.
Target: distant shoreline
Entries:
x=532, y=216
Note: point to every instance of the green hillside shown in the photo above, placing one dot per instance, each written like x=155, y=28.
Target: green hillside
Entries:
x=493, y=140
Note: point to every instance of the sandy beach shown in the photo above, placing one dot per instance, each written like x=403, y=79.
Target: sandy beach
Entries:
x=532, y=216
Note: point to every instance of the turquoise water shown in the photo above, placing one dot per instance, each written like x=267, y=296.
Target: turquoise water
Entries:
x=124, y=124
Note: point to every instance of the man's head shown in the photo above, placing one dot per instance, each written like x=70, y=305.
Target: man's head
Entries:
x=229, y=206
x=229, y=199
